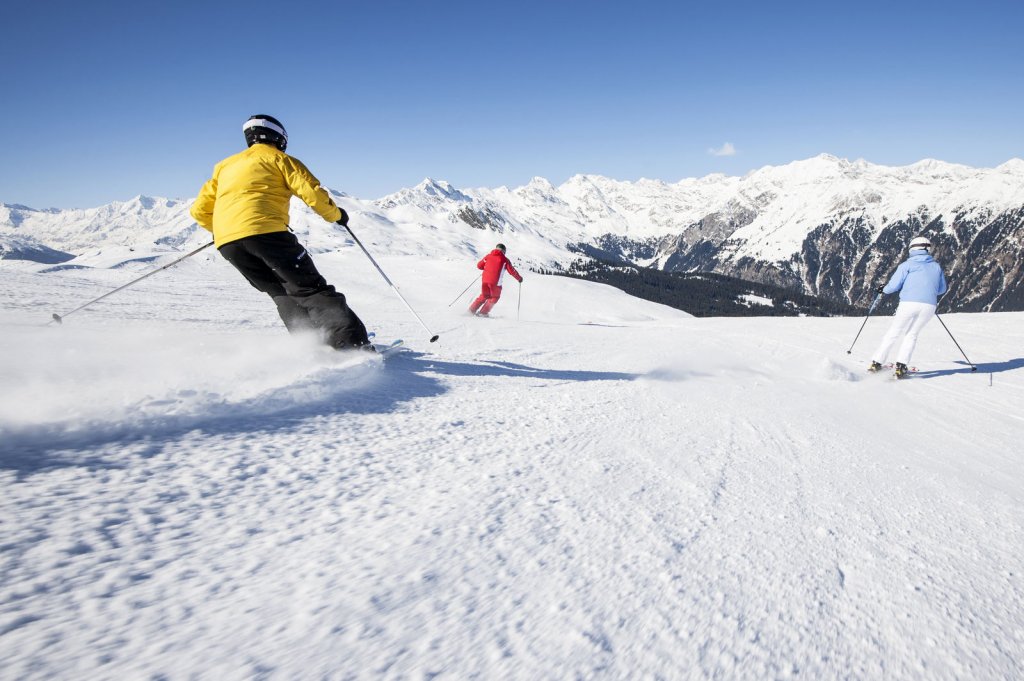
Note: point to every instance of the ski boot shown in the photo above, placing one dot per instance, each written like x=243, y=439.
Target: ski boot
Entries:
x=901, y=370
x=875, y=366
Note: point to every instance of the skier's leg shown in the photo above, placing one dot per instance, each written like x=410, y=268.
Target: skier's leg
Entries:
x=479, y=299
x=922, y=314
x=254, y=269
x=307, y=289
x=492, y=298
x=900, y=323
x=262, y=277
x=295, y=317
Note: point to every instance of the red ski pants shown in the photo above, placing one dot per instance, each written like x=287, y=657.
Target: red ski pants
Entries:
x=489, y=295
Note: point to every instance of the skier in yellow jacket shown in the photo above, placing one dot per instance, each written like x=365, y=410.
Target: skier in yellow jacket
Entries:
x=245, y=205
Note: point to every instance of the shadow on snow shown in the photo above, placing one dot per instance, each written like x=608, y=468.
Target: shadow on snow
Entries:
x=965, y=368
x=420, y=362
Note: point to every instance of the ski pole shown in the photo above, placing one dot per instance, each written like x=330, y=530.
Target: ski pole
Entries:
x=520, y=303
x=464, y=292
x=433, y=336
x=60, y=318
x=973, y=367
x=870, y=309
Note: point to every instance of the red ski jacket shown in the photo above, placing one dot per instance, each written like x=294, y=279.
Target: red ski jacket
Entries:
x=494, y=265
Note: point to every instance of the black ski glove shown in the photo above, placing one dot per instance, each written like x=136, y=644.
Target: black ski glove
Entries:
x=343, y=220
x=881, y=289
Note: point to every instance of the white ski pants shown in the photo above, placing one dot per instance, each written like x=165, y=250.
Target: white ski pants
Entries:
x=907, y=323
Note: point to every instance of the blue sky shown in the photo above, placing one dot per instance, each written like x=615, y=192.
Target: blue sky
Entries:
x=101, y=103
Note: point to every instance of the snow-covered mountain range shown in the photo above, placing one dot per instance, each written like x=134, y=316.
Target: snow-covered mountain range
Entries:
x=826, y=225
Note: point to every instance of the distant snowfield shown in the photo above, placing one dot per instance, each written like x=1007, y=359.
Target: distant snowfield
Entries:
x=586, y=486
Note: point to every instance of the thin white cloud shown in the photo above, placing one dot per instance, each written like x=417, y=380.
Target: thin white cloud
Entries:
x=726, y=149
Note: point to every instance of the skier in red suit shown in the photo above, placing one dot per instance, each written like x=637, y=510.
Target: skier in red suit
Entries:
x=494, y=265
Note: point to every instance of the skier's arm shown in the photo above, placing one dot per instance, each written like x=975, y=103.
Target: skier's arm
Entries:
x=305, y=186
x=512, y=270
x=942, y=284
x=896, y=282
x=483, y=263
x=202, y=208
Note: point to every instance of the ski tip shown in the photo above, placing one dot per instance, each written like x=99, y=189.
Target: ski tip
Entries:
x=385, y=351
x=434, y=338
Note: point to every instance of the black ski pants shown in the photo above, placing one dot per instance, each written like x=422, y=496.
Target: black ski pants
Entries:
x=279, y=266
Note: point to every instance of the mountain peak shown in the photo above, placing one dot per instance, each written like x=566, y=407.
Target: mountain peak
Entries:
x=807, y=170
x=441, y=189
x=929, y=164
x=1014, y=166
x=540, y=183
x=830, y=158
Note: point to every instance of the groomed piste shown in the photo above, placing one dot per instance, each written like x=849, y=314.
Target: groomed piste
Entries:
x=599, y=488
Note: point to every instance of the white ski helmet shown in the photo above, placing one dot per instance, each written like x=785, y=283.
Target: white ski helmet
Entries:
x=920, y=242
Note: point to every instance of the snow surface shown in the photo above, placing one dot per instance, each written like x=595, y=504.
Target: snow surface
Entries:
x=586, y=486
x=753, y=299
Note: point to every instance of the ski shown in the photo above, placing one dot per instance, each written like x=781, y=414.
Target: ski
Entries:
x=896, y=376
x=889, y=368
x=389, y=349
x=890, y=365
x=384, y=349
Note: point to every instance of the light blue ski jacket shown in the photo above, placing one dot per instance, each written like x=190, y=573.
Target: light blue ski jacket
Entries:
x=919, y=279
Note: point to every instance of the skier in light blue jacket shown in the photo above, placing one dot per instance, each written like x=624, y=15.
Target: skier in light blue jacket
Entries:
x=920, y=282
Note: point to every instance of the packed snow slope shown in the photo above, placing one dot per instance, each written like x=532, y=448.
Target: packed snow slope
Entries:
x=585, y=486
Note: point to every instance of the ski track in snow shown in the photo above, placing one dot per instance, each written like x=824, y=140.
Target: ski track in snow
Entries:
x=601, y=489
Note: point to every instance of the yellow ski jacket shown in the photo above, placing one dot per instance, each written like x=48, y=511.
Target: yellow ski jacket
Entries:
x=249, y=194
